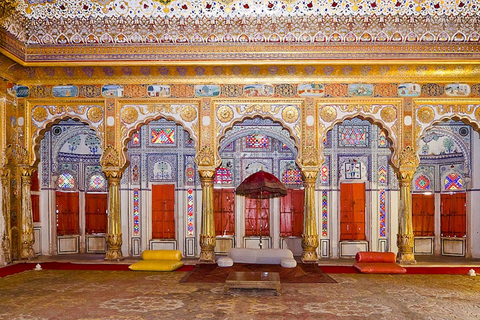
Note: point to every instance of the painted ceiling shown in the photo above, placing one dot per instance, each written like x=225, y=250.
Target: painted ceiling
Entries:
x=53, y=31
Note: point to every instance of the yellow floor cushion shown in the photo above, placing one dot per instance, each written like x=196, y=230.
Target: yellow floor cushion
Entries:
x=162, y=255
x=156, y=265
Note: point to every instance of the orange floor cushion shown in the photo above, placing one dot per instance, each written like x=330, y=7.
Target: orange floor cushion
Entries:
x=377, y=262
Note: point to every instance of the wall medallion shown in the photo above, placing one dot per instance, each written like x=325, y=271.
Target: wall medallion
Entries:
x=129, y=115
x=95, y=114
x=188, y=113
x=290, y=114
x=328, y=113
x=39, y=114
x=225, y=114
x=388, y=114
x=425, y=114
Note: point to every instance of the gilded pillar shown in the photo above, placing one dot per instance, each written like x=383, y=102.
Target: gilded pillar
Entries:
x=28, y=237
x=110, y=161
x=207, y=233
x=310, y=235
x=114, y=229
x=408, y=165
x=6, y=234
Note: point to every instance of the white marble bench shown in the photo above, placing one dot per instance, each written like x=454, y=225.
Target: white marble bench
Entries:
x=283, y=257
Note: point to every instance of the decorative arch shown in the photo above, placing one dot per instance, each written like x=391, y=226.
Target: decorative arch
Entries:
x=384, y=113
x=138, y=113
x=45, y=114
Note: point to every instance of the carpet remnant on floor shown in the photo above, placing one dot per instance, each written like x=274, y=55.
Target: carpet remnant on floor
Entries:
x=302, y=273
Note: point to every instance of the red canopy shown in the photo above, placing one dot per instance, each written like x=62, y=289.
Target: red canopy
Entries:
x=261, y=185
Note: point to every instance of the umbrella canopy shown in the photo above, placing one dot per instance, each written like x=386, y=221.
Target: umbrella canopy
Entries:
x=261, y=185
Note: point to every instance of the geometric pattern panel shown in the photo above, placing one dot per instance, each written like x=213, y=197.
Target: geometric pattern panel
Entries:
x=324, y=175
x=136, y=139
x=97, y=182
x=383, y=213
x=422, y=183
x=164, y=136
x=382, y=139
x=453, y=181
x=257, y=141
x=292, y=176
x=66, y=181
x=382, y=175
x=223, y=176
x=136, y=212
x=353, y=136
x=324, y=213
x=190, y=217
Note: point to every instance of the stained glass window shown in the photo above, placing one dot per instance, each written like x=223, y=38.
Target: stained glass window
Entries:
x=257, y=141
x=382, y=139
x=163, y=136
x=136, y=139
x=66, y=181
x=96, y=182
x=422, y=183
x=223, y=176
x=353, y=136
x=292, y=176
x=453, y=181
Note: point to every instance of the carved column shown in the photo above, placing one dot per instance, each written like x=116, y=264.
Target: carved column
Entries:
x=5, y=233
x=114, y=228
x=310, y=235
x=408, y=165
x=207, y=233
x=28, y=238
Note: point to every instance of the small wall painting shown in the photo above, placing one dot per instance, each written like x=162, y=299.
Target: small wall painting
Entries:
x=207, y=90
x=159, y=91
x=409, y=90
x=258, y=90
x=65, y=91
x=21, y=91
x=112, y=91
x=353, y=170
x=360, y=90
x=457, y=89
x=311, y=90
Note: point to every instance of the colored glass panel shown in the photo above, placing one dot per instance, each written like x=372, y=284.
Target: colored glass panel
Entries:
x=223, y=176
x=353, y=136
x=190, y=174
x=163, y=136
x=324, y=213
x=136, y=212
x=190, y=218
x=66, y=181
x=285, y=147
x=383, y=213
x=382, y=175
x=453, y=181
x=422, y=183
x=136, y=139
x=97, y=182
x=382, y=139
x=257, y=141
x=292, y=176
x=324, y=174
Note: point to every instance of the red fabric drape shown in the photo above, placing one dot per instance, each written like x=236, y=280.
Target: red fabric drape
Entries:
x=291, y=213
x=67, y=213
x=453, y=215
x=224, y=210
x=352, y=214
x=423, y=212
x=257, y=219
x=96, y=218
x=163, y=209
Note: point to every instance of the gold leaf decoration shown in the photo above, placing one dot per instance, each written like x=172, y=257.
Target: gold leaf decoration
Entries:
x=477, y=113
x=388, y=114
x=95, y=114
x=205, y=157
x=310, y=156
x=188, y=113
x=328, y=114
x=425, y=114
x=225, y=114
x=39, y=114
x=129, y=115
x=290, y=114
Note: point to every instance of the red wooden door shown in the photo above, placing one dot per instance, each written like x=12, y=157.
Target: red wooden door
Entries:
x=453, y=215
x=257, y=217
x=224, y=210
x=291, y=213
x=35, y=186
x=163, y=211
x=67, y=213
x=423, y=212
x=96, y=217
x=352, y=213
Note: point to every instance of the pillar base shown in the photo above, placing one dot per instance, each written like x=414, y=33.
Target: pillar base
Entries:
x=405, y=249
x=207, y=248
x=309, y=246
x=27, y=252
x=406, y=258
x=114, y=247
